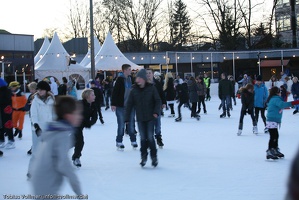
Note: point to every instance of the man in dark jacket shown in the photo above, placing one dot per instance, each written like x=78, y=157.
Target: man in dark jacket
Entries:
x=119, y=98
x=157, y=84
x=225, y=92
x=145, y=99
x=99, y=99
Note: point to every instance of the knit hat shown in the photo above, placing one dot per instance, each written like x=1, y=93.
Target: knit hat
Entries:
x=2, y=83
x=14, y=84
x=259, y=78
x=43, y=85
x=157, y=74
x=141, y=74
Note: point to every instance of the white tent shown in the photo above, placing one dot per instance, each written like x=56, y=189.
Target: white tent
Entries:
x=110, y=58
x=55, y=63
x=97, y=47
x=42, y=50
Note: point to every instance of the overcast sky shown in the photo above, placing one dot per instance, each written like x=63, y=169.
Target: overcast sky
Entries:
x=34, y=16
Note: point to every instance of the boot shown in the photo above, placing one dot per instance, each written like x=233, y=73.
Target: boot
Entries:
x=20, y=135
x=143, y=160
x=16, y=132
x=154, y=161
x=239, y=132
x=254, y=130
x=178, y=119
x=223, y=115
x=228, y=113
x=29, y=152
x=278, y=153
x=271, y=154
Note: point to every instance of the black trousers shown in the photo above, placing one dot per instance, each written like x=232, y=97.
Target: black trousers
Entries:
x=256, y=113
x=79, y=143
x=273, y=142
x=242, y=117
x=201, y=100
x=179, y=109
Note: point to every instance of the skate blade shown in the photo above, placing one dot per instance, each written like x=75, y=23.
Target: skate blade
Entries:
x=120, y=149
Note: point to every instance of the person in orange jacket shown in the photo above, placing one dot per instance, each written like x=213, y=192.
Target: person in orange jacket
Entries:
x=19, y=101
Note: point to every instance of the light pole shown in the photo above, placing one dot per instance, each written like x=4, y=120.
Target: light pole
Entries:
x=2, y=61
x=259, y=61
x=92, y=63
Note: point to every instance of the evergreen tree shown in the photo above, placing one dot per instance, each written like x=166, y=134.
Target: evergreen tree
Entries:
x=180, y=25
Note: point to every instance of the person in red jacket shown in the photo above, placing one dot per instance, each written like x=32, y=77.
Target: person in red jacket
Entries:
x=19, y=101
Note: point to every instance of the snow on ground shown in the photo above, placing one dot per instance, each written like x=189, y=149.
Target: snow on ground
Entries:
x=201, y=160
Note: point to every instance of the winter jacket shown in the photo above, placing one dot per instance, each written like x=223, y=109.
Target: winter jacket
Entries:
x=275, y=108
x=169, y=91
x=118, y=92
x=90, y=114
x=193, y=91
x=260, y=95
x=146, y=102
x=295, y=89
x=52, y=163
x=19, y=100
x=201, y=89
x=182, y=93
x=159, y=88
x=247, y=99
x=42, y=112
x=54, y=86
x=99, y=100
x=225, y=88
x=5, y=108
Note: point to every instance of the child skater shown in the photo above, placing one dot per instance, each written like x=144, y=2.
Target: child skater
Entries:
x=247, y=99
x=274, y=115
x=51, y=163
x=89, y=118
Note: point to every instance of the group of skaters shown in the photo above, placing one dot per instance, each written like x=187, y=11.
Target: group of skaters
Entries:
x=141, y=97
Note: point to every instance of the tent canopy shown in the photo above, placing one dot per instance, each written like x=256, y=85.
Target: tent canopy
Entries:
x=42, y=50
x=86, y=59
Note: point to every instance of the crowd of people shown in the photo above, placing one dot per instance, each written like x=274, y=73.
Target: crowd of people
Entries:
x=58, y=115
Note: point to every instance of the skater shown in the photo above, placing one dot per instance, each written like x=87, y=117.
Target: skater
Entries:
x=181, y=96
x=295, y=93
x=231, y=78
x=201, y=95
x=157, y=125
x=107, y=91
x=274, y=114
x=89, y=119
x=41, y=112
x=293, y=182
x=6, y=116
x=207, y=82
x=146, y=100
x=32, y=90
x=169, y=92
x=19, y=101
x=120, y=94
x=225, y=92
x=51, y=163
x=193, y=90
x=247, y=99
x=98, y=100
x=260, y=98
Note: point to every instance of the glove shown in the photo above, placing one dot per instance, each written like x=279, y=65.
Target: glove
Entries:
x=295, y=102
x=38, y=131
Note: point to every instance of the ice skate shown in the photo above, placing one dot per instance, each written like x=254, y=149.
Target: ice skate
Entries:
x=1, y=153
x=159, y=141
x=10, y=145
x=171, y=115
x=271, y=154
x=239, y=132
x=278, y=153
x=134, y=145
x=154, y=162
x=266, y=131
x=197, y=117
x=101, y=120
x=16, y=132
x=2, y=144
x=20, y=135
x=29, y=152
x=223, y=115
x=143, y=161
x=77, y=162
x=120, y=146
x=254, y=130
x=228, y=113
x=178, y=119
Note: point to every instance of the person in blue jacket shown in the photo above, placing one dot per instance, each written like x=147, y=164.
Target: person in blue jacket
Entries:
x=274, y=115
x=260, y=98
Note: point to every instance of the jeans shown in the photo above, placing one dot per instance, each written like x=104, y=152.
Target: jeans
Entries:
x=226, y=102
x=157, y=125
x=120, y=115
x=146, y=131
x=107, y=98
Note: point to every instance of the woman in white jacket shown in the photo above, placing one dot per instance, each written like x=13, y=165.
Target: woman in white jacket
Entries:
x=41, y=112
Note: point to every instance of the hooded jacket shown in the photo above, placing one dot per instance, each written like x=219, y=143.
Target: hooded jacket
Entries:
x=52, y=163
x=275, y=108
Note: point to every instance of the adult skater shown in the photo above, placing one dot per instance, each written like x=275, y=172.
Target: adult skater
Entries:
x=169, y=92
x=207, y=81
x=295, y=93
x=181, y=96
x=146, y=100
x=225, y=92
x=193, y=90
x=260, y=98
